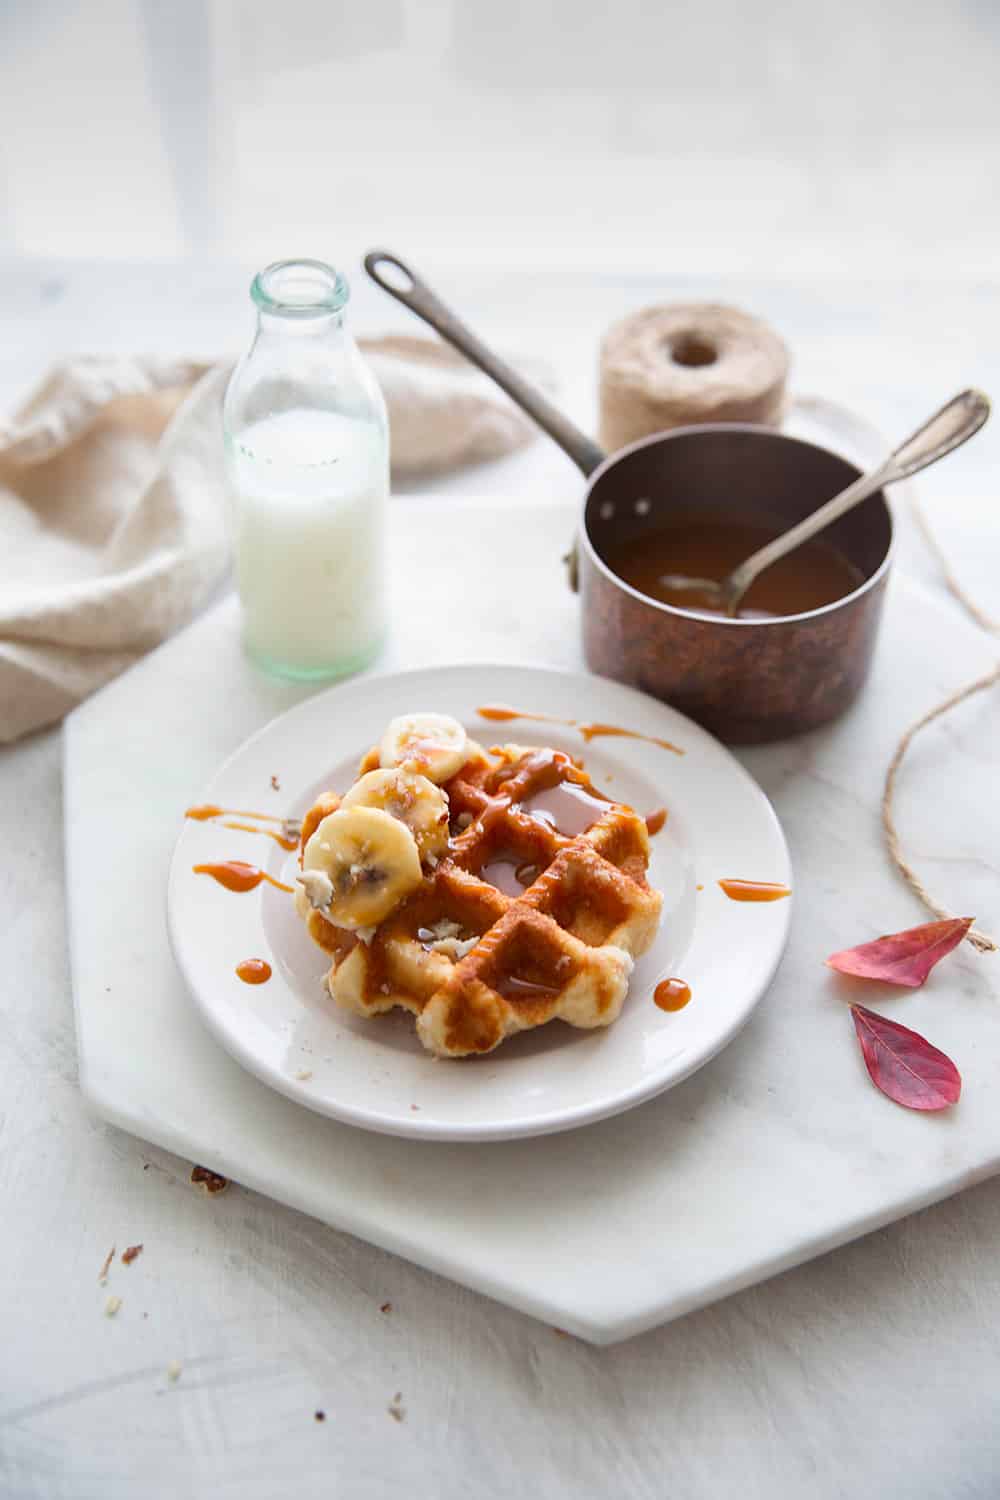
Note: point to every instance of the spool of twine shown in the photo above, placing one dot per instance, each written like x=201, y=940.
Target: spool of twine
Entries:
x=686, y=363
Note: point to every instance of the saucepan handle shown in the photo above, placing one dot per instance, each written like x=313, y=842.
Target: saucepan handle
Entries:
x=413, y=292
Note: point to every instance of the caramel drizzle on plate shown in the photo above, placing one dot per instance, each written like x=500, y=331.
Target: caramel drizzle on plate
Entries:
x=254, y=970
x=237, y=875
x=754, y=890
x=502, y=713
x=672, y=994
x=208, y=810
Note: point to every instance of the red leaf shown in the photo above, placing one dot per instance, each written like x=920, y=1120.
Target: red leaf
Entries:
x=903, y=957
x=903, y=1064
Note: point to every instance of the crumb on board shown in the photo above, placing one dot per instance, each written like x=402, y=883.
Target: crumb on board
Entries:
x=111, y=1306
x=386, y=1307
x=174, y=1370
x=304, y=1074
x=275, y=784
x=132, y=1253
x=319, y=1416
x=209, y=1182
x=396, y=1409
x=415, y=1107
x=102, y=1274
x=561, y=1333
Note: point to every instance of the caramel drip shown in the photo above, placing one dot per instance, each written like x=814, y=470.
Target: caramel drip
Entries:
x=672, y=994
x=279, y=838
x=500, y=712
x=655, y=821
x=596, y=731
x=202, y=813
x=754, y=890
x=254, y=970
x=238, y=876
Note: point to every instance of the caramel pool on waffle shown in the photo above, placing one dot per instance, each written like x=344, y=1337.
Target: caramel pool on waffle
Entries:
x=535, y=909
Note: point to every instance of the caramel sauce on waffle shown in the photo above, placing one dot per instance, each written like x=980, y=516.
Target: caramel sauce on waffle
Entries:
x=754, y=890
x=501, y=713
x=513, y=988
x=509, y=872
x=237, y=875
x=254, y=970
x=567, y=808
x=543, y=872
x=671, y=994
x=655, y=821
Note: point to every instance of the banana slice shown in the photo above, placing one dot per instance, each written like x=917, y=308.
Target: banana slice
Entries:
x=433, y=744
x=411, y=798
x=370, y=863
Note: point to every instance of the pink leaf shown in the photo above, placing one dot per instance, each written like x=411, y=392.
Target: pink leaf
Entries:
x=904, y=1065
x=903, y=957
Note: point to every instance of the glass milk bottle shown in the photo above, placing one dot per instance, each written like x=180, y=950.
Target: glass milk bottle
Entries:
x=307, y=452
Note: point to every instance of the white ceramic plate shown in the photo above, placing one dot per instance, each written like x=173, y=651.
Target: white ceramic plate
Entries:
x=375, y=1074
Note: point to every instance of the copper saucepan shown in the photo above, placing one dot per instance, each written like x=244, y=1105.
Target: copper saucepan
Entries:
x=747, y=680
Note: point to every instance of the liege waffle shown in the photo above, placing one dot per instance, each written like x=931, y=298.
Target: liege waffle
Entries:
x=536, y=911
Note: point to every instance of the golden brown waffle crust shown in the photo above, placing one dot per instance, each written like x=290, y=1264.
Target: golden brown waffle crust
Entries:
x=563, y=948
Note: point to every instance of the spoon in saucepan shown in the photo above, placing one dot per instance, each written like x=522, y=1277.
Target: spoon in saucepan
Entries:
x=945, y=431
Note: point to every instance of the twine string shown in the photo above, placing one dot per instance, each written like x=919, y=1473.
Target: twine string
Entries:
x=981, y=941
x=947, y=572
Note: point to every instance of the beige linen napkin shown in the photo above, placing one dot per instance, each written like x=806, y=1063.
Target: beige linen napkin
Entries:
x=112, y=504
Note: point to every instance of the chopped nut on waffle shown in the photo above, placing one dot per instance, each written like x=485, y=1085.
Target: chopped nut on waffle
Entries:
x=520, y=896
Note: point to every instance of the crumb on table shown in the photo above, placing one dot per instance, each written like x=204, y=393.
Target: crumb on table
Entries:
x=111, y=1306
x=102, y=1274
x=208, y=1181
x=132, y=1253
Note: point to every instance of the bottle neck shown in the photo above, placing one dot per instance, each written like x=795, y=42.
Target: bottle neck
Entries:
x=324, y=327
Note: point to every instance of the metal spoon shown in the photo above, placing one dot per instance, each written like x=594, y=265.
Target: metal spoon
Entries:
x=946, y=430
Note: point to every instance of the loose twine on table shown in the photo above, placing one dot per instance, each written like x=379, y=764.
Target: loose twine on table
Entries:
x=981, y=941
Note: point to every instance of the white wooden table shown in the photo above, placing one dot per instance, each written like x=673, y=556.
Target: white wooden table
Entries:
x=872, y=1371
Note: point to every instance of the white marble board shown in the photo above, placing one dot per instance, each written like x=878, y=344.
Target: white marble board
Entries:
x=776, y=1151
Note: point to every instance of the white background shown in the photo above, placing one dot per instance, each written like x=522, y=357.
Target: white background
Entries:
x=642, y=135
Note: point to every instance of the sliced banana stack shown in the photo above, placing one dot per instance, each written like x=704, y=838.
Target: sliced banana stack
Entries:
x=434, y=745
x=413, y=799
x=358, y=866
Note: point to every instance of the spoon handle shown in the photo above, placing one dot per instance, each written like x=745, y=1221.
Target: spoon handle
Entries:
x=953, y=425
x=947, y=430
